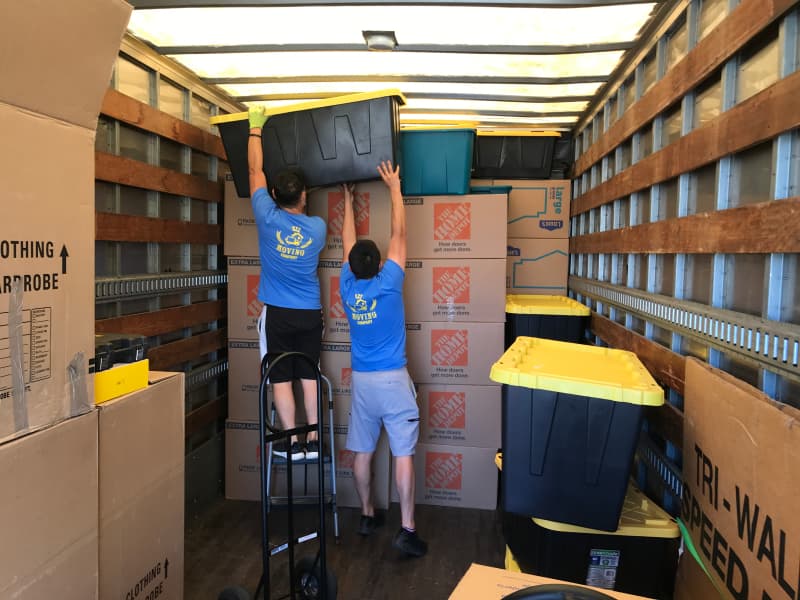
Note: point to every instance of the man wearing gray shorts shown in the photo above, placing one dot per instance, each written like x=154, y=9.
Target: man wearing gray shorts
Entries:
x=383, y=394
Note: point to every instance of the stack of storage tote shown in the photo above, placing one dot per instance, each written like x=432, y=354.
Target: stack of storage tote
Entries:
x=538, y=212
x=455, y=303
x=571, y=420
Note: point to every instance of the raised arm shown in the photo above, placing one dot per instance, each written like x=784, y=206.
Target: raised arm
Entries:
x=255, y=154
x=397, y=242
x=349, y=223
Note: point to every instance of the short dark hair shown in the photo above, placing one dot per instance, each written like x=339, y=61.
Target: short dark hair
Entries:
x=364, y=259
x=288, y=186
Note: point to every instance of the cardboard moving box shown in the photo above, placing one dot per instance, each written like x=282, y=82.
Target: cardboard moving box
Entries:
x=741, y=460
x=536, y=208
x=455, y=289
x=537, y=266
x=49, y=513
x=460, y=415
x=142, y=491
x=471, y=226
x=47, y=171
x=453, y=353
x=241, y=235
x=244, y=307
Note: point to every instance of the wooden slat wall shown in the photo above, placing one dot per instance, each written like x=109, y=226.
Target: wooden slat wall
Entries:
x=128, y=228
x=764, y=228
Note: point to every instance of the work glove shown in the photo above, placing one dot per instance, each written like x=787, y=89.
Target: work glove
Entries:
x=257, y=116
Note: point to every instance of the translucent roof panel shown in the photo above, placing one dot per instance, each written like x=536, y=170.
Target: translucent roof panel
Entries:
x=485, y=25
x=323, y=89
x=341, y=64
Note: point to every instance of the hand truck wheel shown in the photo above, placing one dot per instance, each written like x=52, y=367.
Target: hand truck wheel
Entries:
x=309, y=582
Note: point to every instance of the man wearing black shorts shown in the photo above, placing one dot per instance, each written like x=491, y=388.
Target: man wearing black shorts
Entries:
x=289, y=243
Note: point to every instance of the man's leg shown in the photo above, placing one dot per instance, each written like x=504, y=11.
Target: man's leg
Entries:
x=283, y=396
x=404, y=478
x=310, y=402
x=362, y=472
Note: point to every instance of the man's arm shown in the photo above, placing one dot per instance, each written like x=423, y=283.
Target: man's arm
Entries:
x=397, y=242
x=255, y=154
x=349, y=223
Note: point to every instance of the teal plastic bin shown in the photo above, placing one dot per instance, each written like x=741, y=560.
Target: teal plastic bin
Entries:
x=436, y=161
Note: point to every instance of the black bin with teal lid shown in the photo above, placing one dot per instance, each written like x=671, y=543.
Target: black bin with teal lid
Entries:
x=571, y=415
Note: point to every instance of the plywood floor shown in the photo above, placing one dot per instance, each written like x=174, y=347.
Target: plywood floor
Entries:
x=223, y=548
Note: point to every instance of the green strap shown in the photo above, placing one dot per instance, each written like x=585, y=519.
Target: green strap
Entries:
x=689, y=544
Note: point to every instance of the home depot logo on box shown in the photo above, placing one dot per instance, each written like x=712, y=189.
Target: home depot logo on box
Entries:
x=336, y=213
x=447, y=410
x=347, y=377
x=449, y=348
x=335, y=309
x=451, y=286
x=253, y=303
x=452, y=225
x=345, y=461
x=443, y=473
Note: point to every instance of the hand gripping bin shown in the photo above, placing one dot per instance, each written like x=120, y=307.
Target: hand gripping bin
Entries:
x=552, y=317
x=571, y=415
x=503, y=154
x=640, y=557
x=436, y=161
x=332, y=141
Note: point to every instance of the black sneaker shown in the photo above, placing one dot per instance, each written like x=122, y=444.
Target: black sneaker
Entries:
x=279, y=449
x=369, y=524
x=312, y=449
x=409, y=543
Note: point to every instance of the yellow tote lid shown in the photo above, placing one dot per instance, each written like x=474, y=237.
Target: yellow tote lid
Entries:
x=641, y=517
x=545, y=305
x=333, y=101
x=517, y=133
x=578, y=369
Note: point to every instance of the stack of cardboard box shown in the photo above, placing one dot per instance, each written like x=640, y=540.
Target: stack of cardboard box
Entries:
x=538, y=232
x=91, y=501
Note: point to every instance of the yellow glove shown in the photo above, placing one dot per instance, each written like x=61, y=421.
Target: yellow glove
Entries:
x=257, y=116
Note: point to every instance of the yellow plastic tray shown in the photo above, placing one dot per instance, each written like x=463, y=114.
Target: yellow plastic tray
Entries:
x=578, y=369
x=545, y=305
x=333, y=101
x=517, y=133
x=120, y=380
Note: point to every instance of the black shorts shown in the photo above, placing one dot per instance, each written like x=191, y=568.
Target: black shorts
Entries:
x=293, y=330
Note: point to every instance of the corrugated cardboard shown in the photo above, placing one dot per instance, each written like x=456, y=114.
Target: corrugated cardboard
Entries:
x=142, y=491
x=49, y=513
x=334, y=363
x=741, y=459
x=536, y=208
x=47, y=173
x=691, y=582
x=372, y=212
x=460, y=415
x=537, y=266
x=489, y=583
x=456, y=476
x=470, y=226
x=337, y=328
x=242, y=468
x=241, y=235
x=244, y=307
x=453, y=353
x=455, y=289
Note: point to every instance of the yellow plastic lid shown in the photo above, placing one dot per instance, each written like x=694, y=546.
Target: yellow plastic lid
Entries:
x=333, y=101
x=578, y=369
x=517, y=133
x=641, y=517
x=545, y=305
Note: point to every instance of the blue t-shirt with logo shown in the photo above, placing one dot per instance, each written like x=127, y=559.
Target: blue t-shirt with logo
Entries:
x=289, y=246
x=377, y=319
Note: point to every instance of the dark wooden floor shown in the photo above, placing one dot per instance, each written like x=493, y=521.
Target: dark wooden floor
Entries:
x=223, y=548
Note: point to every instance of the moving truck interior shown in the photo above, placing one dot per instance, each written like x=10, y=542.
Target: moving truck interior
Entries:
x=602, y=293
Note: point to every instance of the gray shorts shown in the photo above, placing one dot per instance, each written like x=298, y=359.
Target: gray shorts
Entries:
x=388, y=399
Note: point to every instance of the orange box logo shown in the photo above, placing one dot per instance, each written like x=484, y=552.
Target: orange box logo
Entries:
x=345, y=459
x=347, y=376
x=253, y=303
x=336, y=213
x=452, y=221
x=450, y=348
x=336, y=309
x=451, y=284
x=443, y=470
x=447, y=410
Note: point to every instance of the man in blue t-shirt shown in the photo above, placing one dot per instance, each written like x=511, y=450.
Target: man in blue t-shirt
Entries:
x=383, y=393
x=289, y=245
